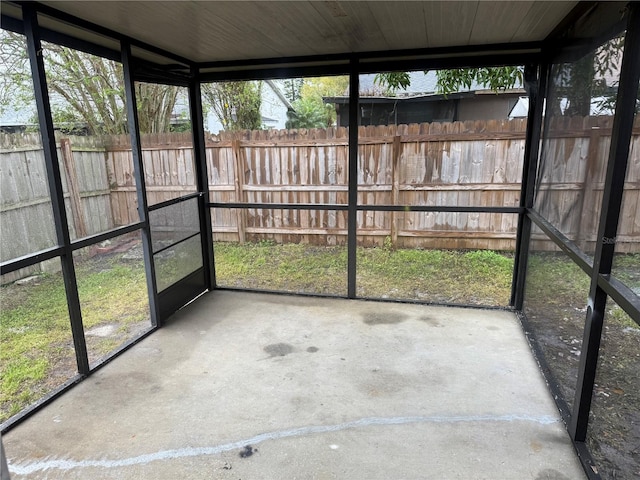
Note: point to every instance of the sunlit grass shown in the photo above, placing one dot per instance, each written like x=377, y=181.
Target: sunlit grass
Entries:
x=36, y=346
x=471, y=277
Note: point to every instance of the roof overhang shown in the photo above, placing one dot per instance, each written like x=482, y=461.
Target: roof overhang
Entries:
x=262, y=39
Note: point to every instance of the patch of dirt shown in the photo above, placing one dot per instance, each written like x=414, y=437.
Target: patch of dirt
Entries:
x=556, y=325
x=614, y=428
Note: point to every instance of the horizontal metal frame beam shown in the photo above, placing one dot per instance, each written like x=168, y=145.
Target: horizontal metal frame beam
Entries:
x=156, y=252
x=145, y=71
x=370, y=208
x=101, y=237
x=173, y=201
x=275, y=73
x=11, y=24
x=301, y=61
x=450, y=62
x=30, y=259
x=151, y=72
x=280, y=206
x=100, y=30
x=48, y=254
x=16, y=25
x=410, y=61
x=407, y=301
x=174, y=81
x=561, y=240
x=622, y=295
x=376, y=56
x=438, y=208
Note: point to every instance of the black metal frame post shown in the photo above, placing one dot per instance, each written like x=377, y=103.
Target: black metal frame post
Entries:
x=352, y=219
x=202, y=175
x=608, y=226
x=138, y=172
x=34, y=49
x=535, y=77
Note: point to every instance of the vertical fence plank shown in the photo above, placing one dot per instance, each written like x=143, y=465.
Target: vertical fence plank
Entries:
x=395, y=187
x=239, y=179
x=77, y=210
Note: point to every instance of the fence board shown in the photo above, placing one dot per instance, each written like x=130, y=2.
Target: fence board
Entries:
x=25, y=206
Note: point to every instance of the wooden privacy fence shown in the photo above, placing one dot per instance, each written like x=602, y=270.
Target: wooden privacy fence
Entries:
x=477, y=163
x=398, y=165
x=25, y=205
x=571, y=181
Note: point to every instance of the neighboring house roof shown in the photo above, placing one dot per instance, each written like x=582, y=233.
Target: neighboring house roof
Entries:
x=599, y=106
x=423, y=87
x=421, y=84
x=434, y=97
x=18, y=116
x=278, y=91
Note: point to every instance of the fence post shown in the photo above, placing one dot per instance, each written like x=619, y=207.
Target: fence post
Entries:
x=74, y=190
x=238, y=163
x=395, y=187
x=588, y=191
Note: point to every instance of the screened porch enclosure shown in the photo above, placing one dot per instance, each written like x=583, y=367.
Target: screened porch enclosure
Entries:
x=118, y=235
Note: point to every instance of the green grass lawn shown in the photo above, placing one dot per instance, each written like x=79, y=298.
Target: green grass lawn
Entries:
x=471, y=277
x=36, y=348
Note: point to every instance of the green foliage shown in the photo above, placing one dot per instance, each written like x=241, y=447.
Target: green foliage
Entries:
x=393, y=81
x=309, y=113
x=575, y=83
x=494, y=78
x=309, y=109
x=453, y=80
x=387, y=243
x=15, y=73
x=183, y=127
x=87, y=92
x=319, y=87
x=293, y=88
x=236, y=104
x=582, y=80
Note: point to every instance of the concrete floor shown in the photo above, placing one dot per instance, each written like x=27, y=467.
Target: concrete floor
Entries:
x=249, y=386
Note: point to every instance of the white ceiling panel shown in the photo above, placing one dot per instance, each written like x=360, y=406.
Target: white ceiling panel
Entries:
x=209, y=31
